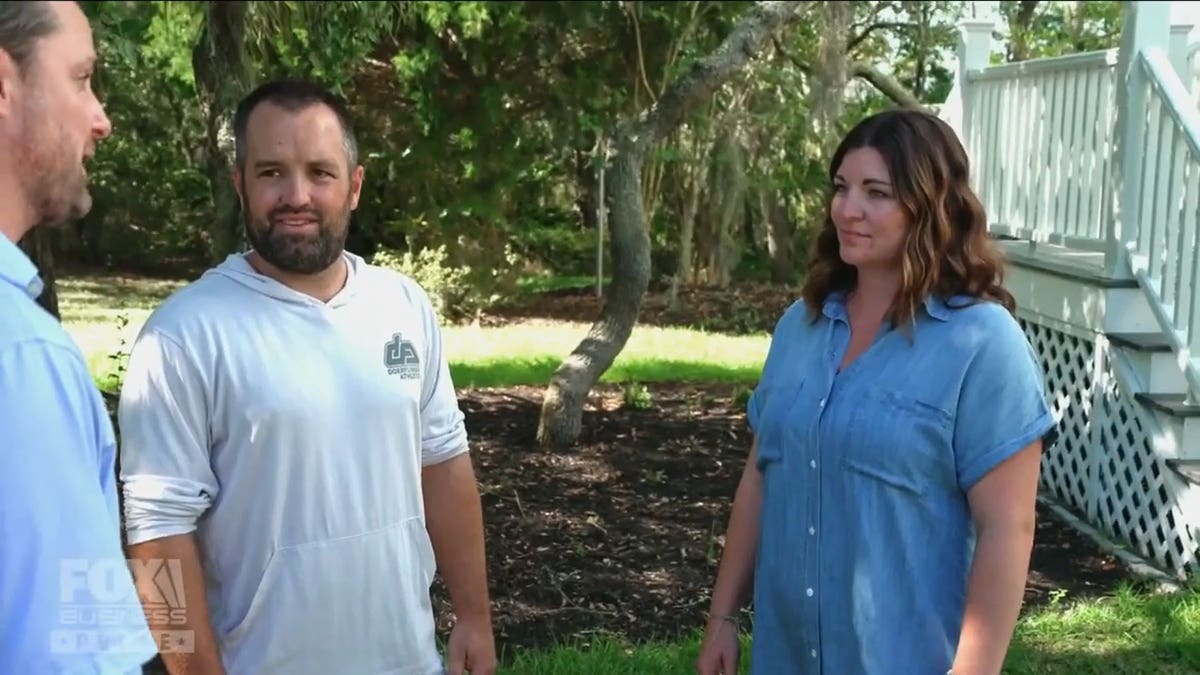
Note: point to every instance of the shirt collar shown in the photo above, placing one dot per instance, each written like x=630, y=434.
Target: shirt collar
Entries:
x=18, y=270
x=835, y=306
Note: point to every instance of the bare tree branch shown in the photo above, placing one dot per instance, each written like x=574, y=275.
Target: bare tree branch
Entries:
x=562, y=404
x=710, y=72
x=878, y=25
x=887, y=85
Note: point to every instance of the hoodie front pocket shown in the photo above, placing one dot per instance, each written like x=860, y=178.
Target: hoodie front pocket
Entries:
x=352, y=604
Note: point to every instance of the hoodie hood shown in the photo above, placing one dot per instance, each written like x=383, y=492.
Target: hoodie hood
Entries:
x=237, y=268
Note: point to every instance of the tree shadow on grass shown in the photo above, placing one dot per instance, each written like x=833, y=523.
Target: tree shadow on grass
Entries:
x=113, y=291
x=1163, y=657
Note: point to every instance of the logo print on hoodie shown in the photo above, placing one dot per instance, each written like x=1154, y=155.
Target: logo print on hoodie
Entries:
x=400, y=357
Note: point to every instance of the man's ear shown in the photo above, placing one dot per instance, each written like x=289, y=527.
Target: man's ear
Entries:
x=9, y=76
x=356, y=181
x=237, y=182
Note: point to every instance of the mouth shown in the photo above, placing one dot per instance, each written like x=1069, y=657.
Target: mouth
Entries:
x=853, y=236
x=294, y=222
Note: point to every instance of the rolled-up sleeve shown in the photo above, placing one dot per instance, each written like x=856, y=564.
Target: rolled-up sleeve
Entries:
x=1002, y=405
x=166, y=474
x=59, y=524
x=443, y=427
x=782, y=336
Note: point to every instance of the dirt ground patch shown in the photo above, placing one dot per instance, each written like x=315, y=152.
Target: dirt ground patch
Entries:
x=620, y=534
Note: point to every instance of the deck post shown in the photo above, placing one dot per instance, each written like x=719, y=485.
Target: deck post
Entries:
x=1146, y=24
x=974, y=53
x=1178, y=52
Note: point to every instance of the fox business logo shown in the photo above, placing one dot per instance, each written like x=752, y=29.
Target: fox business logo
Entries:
x=100, y=608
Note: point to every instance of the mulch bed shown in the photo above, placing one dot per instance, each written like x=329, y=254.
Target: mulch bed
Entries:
x=621, y=533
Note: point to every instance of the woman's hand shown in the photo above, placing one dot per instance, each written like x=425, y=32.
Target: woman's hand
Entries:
x=719, y=651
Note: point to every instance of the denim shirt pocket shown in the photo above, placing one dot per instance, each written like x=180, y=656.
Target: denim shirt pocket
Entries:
x=897, y=440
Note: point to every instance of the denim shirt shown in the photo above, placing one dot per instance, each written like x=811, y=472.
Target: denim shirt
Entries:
x=866, y=535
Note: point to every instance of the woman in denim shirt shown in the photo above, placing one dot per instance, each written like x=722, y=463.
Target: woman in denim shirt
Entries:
x=885, y=516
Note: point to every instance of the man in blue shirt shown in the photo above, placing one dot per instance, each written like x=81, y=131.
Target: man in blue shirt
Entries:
x=67, y=600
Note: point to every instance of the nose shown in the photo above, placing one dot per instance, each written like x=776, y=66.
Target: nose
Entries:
x=101, y=125
x=848, y=207
x=295, y=193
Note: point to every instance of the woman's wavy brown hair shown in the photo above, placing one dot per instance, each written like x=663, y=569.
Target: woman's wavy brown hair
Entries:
x=947, y=251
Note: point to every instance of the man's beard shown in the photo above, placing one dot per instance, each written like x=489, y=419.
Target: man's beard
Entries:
x=299, y=253
x=52, y=177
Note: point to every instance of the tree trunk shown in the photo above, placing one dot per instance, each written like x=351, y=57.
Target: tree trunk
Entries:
x=562, y=406
x=37, y=245
x=685, y=265
x=830, y=75
x=222, y=78
x=1021, y=25
x=779, y=235
x=728, y=187
x=587, y=199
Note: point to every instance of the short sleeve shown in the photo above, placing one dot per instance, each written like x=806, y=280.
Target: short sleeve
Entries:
x=166, y=472
x=1002, y=405
x=443, y=428
x=758, y=399
x=785, y=332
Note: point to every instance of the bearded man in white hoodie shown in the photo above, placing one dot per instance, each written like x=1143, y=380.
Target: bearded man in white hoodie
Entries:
x=291, y=441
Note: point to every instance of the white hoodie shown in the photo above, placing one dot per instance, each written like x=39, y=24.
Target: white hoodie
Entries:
x=290, y=435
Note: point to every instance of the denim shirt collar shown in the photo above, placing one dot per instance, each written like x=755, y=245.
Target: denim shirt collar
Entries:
x=835, y=306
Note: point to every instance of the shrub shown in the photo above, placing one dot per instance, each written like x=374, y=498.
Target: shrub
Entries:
x=448, y=287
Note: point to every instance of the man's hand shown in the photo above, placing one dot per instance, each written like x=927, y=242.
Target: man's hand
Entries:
x=472, y=648
x=454, y=519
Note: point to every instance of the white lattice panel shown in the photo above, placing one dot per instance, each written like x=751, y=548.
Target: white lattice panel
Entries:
x=1104, y=466
x=1137, y=492
x=1068, y=364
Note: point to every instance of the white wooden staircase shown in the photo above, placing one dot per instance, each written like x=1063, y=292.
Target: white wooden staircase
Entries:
x=1089, y=167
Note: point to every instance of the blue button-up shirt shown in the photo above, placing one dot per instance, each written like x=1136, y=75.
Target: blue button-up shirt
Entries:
x=67, y=600
x=866, y=535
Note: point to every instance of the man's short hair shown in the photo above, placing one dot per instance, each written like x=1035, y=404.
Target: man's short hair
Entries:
x=293, y=96
x=22, y=24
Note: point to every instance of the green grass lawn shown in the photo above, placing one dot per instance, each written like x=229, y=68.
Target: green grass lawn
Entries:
x=93, y=311
x=529, y=353
x=104, y=314
x=1129, y=634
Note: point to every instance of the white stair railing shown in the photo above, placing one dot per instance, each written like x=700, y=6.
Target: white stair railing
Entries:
x=1040, y=135
x=1163, y=217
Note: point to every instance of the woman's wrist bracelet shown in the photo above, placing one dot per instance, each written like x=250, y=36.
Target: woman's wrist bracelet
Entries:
x=728, y=618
